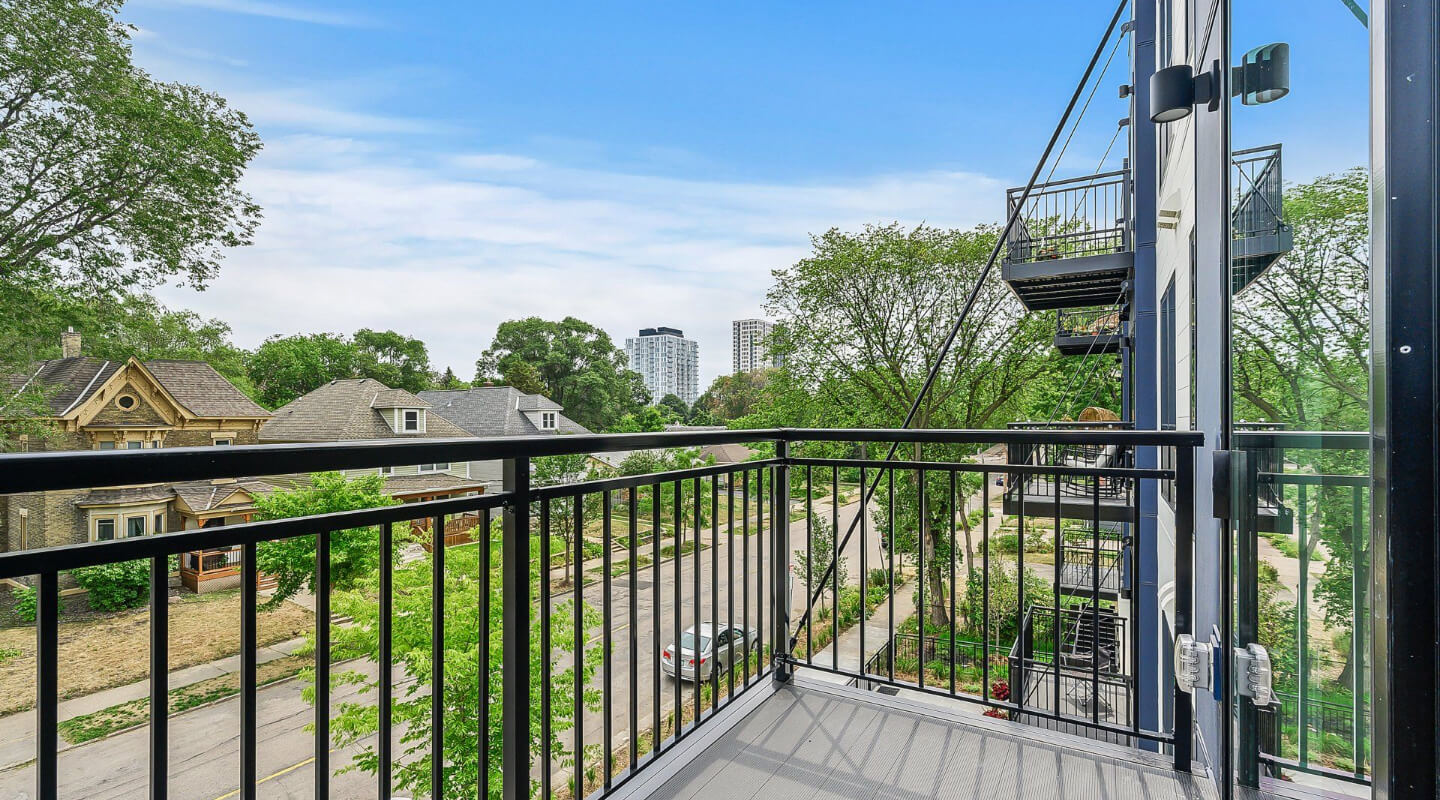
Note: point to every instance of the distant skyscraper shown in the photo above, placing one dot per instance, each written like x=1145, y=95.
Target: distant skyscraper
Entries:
x=747, y=343
x=669, y=363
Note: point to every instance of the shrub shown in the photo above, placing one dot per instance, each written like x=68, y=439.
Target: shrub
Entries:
x=113, y=587
x=877, y=577
x=1000, y=690
x=24, y=602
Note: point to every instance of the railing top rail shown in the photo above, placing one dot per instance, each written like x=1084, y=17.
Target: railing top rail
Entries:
x=1104, y=424
x=1263, y=150
x=89, y=554
x=1303, y=440
x=33, y=472
x=1114, y=176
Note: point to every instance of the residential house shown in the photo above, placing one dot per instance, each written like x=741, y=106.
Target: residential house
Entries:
x=97, y=404
x=364, y=408
x=498, y=411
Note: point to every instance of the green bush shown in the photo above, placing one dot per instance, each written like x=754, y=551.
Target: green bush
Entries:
x=1009, y=543
x=113, y=587
x=24, y=602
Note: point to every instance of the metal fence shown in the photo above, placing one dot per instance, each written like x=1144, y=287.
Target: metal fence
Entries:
x=569, y=695
x=1070, y=218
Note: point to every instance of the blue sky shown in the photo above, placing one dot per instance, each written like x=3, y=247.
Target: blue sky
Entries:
x=440, y=167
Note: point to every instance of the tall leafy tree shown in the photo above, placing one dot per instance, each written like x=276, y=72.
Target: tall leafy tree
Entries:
x=286, y=367
x=394, y=359
x=731, y=397
x=575, y=362
x=863, y=318
x=109, y=178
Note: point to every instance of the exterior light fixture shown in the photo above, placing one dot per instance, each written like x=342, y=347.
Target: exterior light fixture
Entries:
x=1263, y=75
x=1175, y=91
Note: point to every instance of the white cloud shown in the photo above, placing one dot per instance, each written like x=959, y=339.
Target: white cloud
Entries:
x=352, y=240
x=261, y=8
x=494, y=161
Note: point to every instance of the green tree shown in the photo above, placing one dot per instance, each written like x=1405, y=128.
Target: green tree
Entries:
x=109, y=178
x=286, y=367
x=447, y=380
x=731, y=397
x=862, y=319
x=354, y=554
x=398, y=361
x=575, y=362
x=355, y=724
x=645, y=420
x=814, y=565
x=673, y=408
x=556, y=470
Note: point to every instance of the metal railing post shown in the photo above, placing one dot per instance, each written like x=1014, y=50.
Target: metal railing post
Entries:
x=1184, y=594
x=515, y=630
x=780, y=561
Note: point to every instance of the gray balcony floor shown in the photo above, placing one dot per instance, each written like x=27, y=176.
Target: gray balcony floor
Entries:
x=813, y=740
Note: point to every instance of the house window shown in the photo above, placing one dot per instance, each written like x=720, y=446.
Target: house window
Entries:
x=106, y=445
x=125, y=401
x=1167, y=383
x=134, y=445
x=410, y=420
x=547, y=420
x=224, y=442
x=134, y=526
x=424, y=468
x=104, y=529
x=387, y=471
x=159, y=523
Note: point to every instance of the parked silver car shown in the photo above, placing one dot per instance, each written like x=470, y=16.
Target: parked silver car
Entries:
x=719, y=646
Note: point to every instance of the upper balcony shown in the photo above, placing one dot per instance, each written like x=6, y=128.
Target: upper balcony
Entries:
x=1259, y=233
x=1089, y=331
x=1070, y=246
x=727, y=645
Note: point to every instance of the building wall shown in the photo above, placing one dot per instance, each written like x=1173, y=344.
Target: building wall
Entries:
x=669, y=364
x=748, y=352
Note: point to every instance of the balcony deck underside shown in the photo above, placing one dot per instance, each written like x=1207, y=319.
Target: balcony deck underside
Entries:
x=1096, y=280
x=1250, y=256
x=815, y=740
x=1078, y=580
x=1084, y=345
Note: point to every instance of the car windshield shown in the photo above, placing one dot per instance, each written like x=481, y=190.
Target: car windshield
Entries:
x=687, y=641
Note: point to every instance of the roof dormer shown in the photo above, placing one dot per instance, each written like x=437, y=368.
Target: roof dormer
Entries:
x=403, y=411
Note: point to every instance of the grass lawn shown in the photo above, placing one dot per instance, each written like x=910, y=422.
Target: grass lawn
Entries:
x=113, y=650
x=136, y=712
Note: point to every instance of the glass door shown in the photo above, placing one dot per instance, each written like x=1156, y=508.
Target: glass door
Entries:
x=1299, y=403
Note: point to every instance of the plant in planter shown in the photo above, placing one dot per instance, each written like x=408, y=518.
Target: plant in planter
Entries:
x=1000, y=690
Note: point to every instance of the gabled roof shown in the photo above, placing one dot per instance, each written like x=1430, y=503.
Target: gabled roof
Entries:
x=344, y=410
x=497, y=411
x=195, y=385
x=397, y=398
x=202, y=390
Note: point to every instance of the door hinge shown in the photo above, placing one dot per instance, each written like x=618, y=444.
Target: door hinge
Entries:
x=1192, y=664
x=1253, y=675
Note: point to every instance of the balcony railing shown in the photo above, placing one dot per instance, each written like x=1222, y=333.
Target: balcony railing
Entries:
x=510, y=718
x=1071, y=218
x=1259, y=233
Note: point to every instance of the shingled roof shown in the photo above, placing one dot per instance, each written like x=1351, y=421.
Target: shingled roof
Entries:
x=195, y=385
x=496, y=411
x=345, y=410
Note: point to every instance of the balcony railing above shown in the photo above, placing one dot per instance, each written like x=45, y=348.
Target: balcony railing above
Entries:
x=1070, y=245
x=1090, y=331
x=1260, y=235
x=698, y=574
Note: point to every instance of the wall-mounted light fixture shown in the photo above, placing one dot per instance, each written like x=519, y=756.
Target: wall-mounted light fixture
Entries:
x=1175, y=91
x=1263, y=76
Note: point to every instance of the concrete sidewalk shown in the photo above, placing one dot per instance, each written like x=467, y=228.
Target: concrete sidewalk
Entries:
x=877, y=631
x=17, y=731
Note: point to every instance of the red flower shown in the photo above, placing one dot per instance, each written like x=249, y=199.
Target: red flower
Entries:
x=996, y=713
x=1000, y=690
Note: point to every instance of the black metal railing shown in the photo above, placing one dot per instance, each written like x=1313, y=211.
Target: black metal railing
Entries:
x=1100, y=321
x=1321, y=482
x=1071, y=218
x=933, y=645
x=560, y=687
x=1259, y=191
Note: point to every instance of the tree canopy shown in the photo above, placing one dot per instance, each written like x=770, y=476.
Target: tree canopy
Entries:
x=572, y=362
x=109, y=178
x=286, y=367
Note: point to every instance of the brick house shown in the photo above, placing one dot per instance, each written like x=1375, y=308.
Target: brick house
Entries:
x=97, y=404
